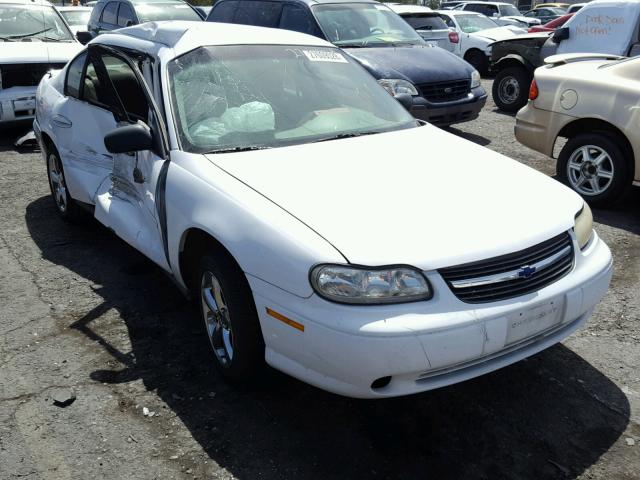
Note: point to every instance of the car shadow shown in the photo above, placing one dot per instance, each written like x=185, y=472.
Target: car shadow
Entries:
x=472, y=137
x=9, y=135
x=624, y=215
x=551, y=416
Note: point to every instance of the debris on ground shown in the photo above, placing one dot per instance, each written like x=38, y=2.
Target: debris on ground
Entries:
x=630, y=441
x=27, y=140
x=63, y=397
x=147, y=413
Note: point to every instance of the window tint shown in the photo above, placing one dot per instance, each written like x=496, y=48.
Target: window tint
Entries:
x=259, y=13
x=109, y=13
x=74, y=73
x=129, y=91
x=125, y=15
x=223, y=12
x=298, y=19
x=422, y=21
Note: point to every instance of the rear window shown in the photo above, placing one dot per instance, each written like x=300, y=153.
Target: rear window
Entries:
x=425, y=21
x=155, y=12
x=258, y=13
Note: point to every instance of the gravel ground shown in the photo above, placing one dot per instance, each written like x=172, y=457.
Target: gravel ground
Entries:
x=81, y=311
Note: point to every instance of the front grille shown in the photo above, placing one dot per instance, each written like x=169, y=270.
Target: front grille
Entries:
x=513, y=274
x=25, y=74
x=445, y=91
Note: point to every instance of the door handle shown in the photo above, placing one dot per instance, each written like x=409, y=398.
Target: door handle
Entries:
x=61, y=121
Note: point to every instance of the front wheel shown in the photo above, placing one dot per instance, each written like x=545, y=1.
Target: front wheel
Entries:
x=511, y=89
x=230, y=318
x=595, y=166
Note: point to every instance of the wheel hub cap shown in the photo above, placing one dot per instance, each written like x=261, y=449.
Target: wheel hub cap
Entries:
x=58, y=186
x=590, y=170
x=216, y=318
x=509, y=89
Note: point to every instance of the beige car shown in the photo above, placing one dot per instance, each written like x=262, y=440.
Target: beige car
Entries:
x=592, y=100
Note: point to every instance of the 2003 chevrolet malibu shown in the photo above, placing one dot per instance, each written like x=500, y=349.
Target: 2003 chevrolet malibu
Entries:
x=321, y=228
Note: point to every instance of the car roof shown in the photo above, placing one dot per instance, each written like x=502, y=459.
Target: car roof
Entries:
x=318, y=2
x=44, y=3
x=67, y=8
x=490, y=3
x=183, y=36
x=459, y=12
x=401, y=8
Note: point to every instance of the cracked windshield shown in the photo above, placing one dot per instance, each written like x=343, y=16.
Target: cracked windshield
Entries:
x=243, y=98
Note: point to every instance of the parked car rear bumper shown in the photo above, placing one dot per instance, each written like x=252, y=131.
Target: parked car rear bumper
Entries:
x=17, y=104
x=448, y=113
x=538, y=129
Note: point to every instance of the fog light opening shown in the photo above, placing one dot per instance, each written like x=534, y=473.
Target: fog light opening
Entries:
x=380, y=383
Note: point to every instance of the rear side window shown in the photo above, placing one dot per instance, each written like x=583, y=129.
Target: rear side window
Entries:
x=96, y=13
x=125, y=15
x=298, y=19
x=74, y=75
x=259, y=13
x=223, y=12
x=448, y=21
x=421, y=21
x=109, y=15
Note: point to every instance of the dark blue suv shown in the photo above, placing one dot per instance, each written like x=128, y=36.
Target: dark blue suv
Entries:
x=445, y=89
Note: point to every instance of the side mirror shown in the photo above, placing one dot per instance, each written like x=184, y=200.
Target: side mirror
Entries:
x=561, y=34
x=129, y=23
x=130, y=138
x=84, y=37
x=405, y=100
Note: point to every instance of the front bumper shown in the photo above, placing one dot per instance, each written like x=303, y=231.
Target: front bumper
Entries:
x=423, y=345
x=448, y=113
x=17, y=104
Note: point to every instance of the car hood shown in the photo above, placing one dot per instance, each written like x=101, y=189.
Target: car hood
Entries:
x=417, y=64
x=498, y=33
x=419, y=196
x=38, y=52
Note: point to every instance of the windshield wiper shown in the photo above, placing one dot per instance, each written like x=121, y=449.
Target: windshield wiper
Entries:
x=26, y=35
x=346, y=135
x=351, y=45
x=237, y=149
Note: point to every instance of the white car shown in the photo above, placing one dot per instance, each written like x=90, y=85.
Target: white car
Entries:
x=429, y=25
x=269, y=175
x=476, y=33
x=502, y=12
x=35, y=40
x=76, y=17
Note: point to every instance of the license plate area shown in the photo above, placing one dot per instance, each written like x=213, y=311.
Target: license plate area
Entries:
x=533, y=321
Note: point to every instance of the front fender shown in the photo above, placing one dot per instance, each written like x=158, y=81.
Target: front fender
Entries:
x=512, y=60
x=265, y=240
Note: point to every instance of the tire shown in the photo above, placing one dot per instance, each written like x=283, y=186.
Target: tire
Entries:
x=478, y=60
x=511, y=89
x=230, y=318
x=604, y=176
x=66, y=206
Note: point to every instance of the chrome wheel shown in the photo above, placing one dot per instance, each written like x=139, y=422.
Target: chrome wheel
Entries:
x=509, y=89
x=590, y=170
x=58, y=185
x=216, y=318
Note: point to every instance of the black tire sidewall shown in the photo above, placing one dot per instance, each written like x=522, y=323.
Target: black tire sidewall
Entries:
x=477, y=60
x=248, y=344
x=523, y=78
x=621, y=175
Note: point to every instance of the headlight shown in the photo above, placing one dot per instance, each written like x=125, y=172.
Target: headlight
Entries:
x=475, y=79
x=584, y=226
x=361, y=285
x=395, y=86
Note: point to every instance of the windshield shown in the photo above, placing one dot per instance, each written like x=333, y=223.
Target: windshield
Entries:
x=475, y=23
x=558, y=11
x=76, y=17
x=241, y=97
x=32, y=23
x=363, y=24
x=165, y=11
x=424, y=21
x=509, y=10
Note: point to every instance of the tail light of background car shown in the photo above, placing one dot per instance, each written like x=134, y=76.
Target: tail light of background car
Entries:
x=533, y=90
x=453, y=37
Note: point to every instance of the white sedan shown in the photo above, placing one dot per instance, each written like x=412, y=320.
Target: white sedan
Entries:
x=320, y=226
x=476, y=33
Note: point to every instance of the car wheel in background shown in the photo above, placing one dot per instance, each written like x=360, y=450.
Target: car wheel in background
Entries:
x=67, y=208
x=230, y=318
x=478, y=60
x=595, y=166
x=511, y=89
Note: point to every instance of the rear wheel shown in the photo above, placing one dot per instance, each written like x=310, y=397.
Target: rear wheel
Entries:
x=230, y=318
x=67, y=208
x=596, y=166
x=511, y=89
x=478, y=60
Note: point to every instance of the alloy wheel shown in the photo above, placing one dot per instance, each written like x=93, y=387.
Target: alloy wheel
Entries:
x=58, y=185
x=590, y=170
x=216, y=318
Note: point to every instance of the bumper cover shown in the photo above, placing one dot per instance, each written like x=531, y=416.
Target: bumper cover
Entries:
x=17, y=104
x=424, y=345
x=538, y=129
x=448, y=113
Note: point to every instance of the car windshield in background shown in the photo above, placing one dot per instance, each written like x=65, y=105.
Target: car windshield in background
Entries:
x=363, y=24
x=155, y=12
x=233, y=98
x=424, y=21
x=558, y=11
x=77, y=17
x=475, y=23
x=32, y=23
x=509, y=11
